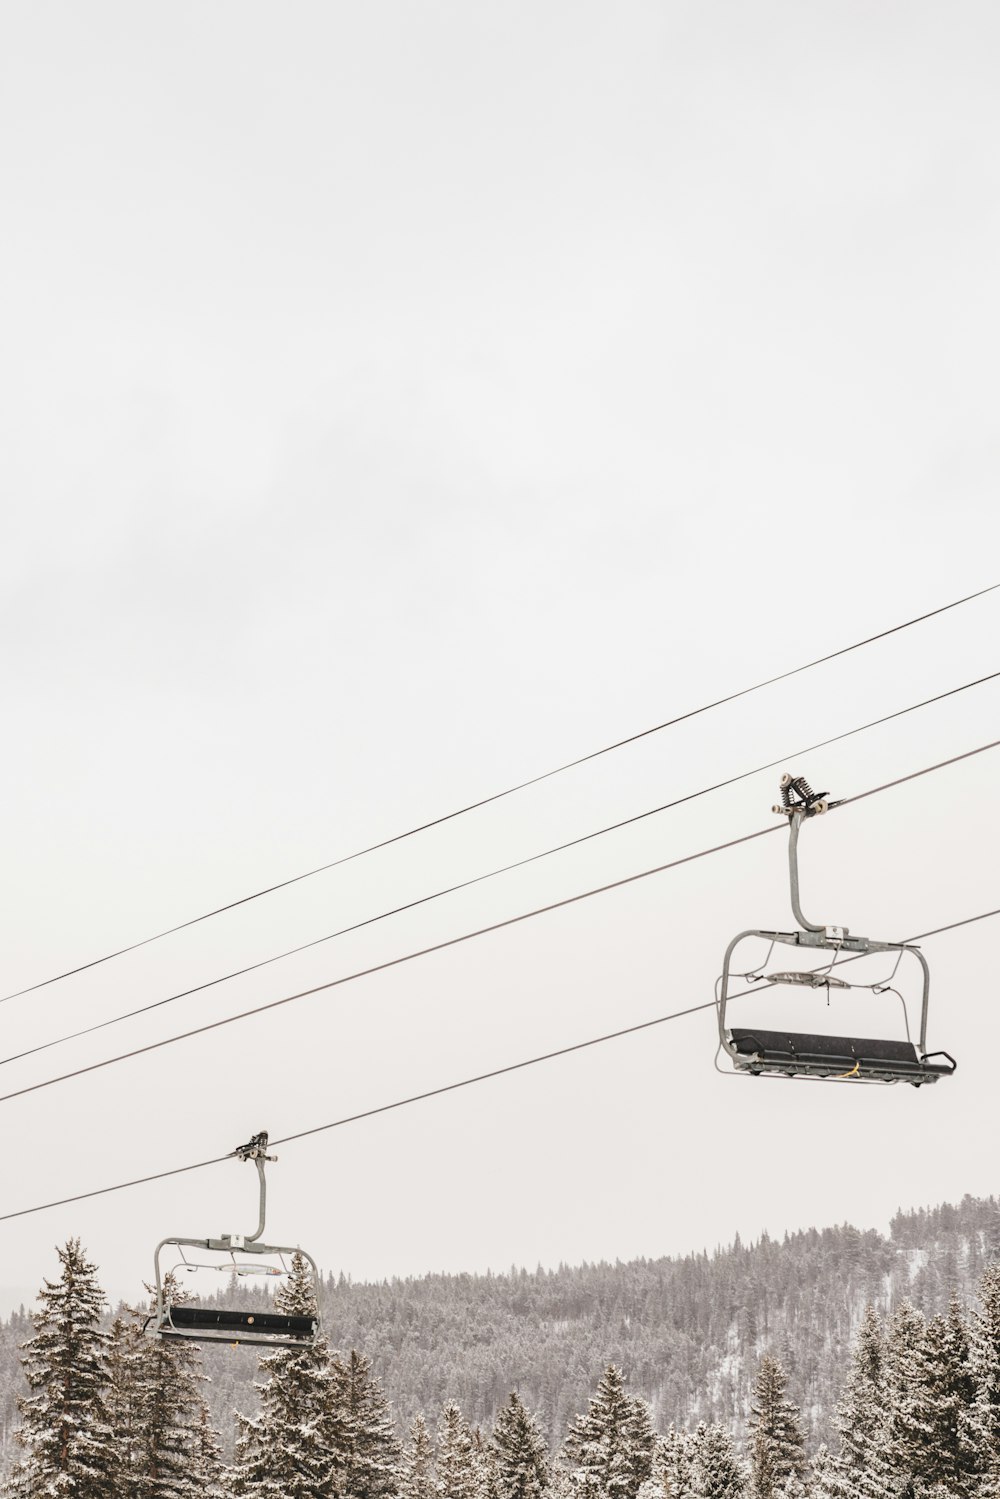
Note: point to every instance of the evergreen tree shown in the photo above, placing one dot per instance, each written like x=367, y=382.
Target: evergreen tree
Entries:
x=931, y=1423
x=416, y=1479
x=457, y=1477
x=860, y=1418
x=369, y=1453
x=208, y=1467
x=676, y=1462
x=65, y=1433
x=777, y=1447
x=982, y=1420
x=171, y=1448
x=610, y=1450
x=522, y=1468
x=289, y=1449
x=716, y=1473
x=895, y=1464
x=124, y=1355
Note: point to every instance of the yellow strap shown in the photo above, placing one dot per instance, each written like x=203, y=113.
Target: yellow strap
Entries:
x=838, y=1076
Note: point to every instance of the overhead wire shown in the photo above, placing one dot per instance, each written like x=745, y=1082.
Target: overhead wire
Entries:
x=498, y=795
x=464, y=937
x=402, y=1103
x=488, y=875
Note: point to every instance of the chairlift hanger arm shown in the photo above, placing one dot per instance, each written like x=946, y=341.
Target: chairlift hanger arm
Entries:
x=799, y=801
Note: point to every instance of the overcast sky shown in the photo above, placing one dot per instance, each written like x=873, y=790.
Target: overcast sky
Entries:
x=397, y=401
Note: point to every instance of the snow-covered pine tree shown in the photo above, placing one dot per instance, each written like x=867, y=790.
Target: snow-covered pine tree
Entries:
x=416, y=1473
x=860, y=1418
x=209, y=1468
x=777, y=1445
x=172, y=1456
x=69, y=1451
x=716, y=1472
x=982, y=1420
x=368, y=1458
x=675, y=1459
x=454, y=1458
x=894, y=1463
x=609, y=1451
x=125, y=1350
x=932, y=1423
x=288, y=1450
x=522, y=1465
x=484, y=1460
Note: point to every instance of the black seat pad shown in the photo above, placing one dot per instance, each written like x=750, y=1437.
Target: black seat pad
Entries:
x=203, y=1316
x=790, y=1046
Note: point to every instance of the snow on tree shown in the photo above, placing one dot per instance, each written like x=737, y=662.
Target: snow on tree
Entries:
x=982, y=1420
x=932, y=1422
x=716, y=1472
x=609, y=1451
x=484, y=1460
x=457, y=1476
x=124, y=1355
x=777, y=1445
x=416, y=1475
x=171, y=1448
x=860, y=1418
x=207, y=1463
x=522, y=1466
x=68, y=1445
x=288, y=1450
x=675, y=1461
x=368, y=1455
x=893, y=1463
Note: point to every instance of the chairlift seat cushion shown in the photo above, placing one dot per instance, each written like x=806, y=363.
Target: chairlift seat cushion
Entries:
x=790, y=1051
x=207, y=1318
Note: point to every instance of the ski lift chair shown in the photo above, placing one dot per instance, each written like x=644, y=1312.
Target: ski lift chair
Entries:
x=786, y=1053
x=209, y=1324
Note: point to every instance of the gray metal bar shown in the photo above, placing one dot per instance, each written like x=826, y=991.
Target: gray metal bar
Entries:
x=794, y=823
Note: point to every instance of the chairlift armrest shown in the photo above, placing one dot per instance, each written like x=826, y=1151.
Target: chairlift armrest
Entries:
x=929, y=1055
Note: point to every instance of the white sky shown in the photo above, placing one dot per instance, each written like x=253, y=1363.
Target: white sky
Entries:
x=398, y=400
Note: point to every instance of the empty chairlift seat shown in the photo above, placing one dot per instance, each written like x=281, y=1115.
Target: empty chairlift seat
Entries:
x=791, y=1054
x=811, y=1054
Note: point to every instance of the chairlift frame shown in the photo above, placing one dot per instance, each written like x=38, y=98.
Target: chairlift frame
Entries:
x=786, y=1053
x=217, y=1325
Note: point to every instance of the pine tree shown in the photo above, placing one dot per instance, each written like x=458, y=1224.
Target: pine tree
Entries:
x=931, y=1423
x=416, y=1479
x=982, y=1420
x=676, y=1462
x=124, y=1355
x=522, y=1466
x=895, y=1462
x=172, y=1450
x=65, y=1433
x=207, y=1465
x=369, y=1452
x=716, y=1473
x=777, y=1448
x=288, y=1450
x=454, y=1459
x=609, y=1451
x=860, y=1418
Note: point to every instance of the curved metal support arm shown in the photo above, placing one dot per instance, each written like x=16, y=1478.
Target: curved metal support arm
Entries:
x=259, y=1163
x=794, y=823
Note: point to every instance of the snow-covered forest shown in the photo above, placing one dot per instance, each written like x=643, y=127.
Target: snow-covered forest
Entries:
x=836, y=1364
